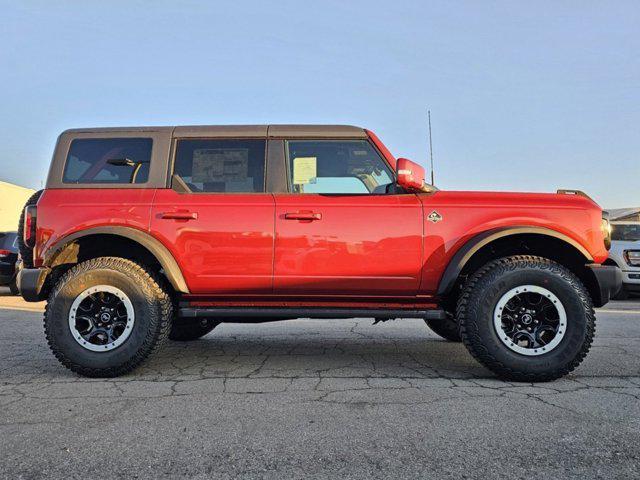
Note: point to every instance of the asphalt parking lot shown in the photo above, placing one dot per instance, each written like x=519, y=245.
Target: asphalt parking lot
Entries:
x=318, y=399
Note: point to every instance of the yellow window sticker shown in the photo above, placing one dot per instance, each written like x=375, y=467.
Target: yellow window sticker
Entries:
x=304, y=170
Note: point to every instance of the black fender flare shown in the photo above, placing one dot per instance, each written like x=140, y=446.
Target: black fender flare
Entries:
x=158, y=250
x=464, y=253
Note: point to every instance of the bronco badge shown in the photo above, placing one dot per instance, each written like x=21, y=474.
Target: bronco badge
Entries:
x=434, y=217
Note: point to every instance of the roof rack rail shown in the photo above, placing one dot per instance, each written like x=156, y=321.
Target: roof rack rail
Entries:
x=569, y=191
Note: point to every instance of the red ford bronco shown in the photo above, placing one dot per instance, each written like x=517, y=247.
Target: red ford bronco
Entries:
x=147, y=233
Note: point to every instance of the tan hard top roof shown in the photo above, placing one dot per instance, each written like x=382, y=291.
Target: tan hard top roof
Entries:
x=289, y=131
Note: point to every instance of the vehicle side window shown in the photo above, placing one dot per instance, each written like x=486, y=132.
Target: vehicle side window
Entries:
x=337, y=166
x=108, y=160
x=626, y=232
x=221, y=165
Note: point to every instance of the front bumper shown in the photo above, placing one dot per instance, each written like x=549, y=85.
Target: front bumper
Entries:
x=607, y=283
x=30, y=282
x=631, y=276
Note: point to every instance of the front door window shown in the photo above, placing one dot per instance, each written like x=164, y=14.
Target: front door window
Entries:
x=343, y=229
x=337, y=166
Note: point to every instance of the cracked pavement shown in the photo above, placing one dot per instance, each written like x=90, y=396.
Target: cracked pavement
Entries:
x=319, y=399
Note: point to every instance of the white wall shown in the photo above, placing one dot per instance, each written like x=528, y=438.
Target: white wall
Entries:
x=12, y=200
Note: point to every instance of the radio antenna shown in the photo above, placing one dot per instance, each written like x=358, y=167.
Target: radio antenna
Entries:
x=431, y=148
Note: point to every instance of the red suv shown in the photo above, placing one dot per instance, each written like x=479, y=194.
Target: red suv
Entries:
x=148, y=233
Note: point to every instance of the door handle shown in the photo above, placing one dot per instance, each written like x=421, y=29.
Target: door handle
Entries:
x=308, y=216
x=179, y=215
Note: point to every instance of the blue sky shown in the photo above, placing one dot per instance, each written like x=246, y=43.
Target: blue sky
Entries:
x=528, y=96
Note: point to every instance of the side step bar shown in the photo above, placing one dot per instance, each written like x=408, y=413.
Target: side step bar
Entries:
x=237, y=314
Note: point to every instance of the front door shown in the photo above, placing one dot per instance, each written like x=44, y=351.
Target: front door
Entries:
x=342, y=230
x=220, y=225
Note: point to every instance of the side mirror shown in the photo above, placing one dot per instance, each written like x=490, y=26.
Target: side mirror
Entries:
x=410, y=175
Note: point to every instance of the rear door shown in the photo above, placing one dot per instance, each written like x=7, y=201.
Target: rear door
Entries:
x=217, y=219
x=342, y=229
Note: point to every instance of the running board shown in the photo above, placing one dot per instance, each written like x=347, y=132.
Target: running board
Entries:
x=237, y=314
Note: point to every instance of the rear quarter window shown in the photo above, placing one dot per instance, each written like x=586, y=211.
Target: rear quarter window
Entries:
x=221, y=165
x=108, y=160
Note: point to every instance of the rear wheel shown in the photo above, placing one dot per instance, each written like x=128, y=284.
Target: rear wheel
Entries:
x=447, y=328
x=526, y=318
x=106, y=316
x=187, y=329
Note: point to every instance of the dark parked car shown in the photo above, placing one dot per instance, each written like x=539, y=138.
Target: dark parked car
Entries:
x=8, y=259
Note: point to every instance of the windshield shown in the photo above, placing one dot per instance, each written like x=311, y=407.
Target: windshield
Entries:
x=629, y=232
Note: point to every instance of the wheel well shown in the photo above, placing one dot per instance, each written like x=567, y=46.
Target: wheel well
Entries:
x=104, y=245
x=539, y=245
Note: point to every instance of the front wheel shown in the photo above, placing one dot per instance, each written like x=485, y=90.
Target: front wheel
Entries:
x=106, y=316
x=526, y=318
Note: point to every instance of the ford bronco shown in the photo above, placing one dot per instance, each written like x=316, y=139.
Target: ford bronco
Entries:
x=143, y=234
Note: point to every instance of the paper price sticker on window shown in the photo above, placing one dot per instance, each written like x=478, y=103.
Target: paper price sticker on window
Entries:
x=304, y=170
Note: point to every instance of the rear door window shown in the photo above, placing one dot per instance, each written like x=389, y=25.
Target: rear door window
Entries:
x=108, y=160
x=221, y=165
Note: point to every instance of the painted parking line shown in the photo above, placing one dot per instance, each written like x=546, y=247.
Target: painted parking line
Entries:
x=22, y=309
x=604, y=310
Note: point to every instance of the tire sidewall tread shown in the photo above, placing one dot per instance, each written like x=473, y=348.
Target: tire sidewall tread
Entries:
x=153, y=315
x=476, y=306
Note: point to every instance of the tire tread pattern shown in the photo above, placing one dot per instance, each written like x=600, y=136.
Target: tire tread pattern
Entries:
x=467, y=303
x=160, y=324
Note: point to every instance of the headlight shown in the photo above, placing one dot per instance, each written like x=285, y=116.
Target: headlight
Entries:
x=605, y=226
x=632, y=257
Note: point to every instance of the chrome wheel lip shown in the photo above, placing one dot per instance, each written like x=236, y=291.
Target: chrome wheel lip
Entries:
x=508, y=342
x=128, y=328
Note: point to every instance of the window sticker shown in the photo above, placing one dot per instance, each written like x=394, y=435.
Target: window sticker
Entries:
x=220, y=165
x=304, y=170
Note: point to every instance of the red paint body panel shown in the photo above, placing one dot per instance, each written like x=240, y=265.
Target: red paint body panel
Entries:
x=339, y=250
x=362, y=245
x=228, y=248
x=466, y=214
x=63, y=212
x=382, y=148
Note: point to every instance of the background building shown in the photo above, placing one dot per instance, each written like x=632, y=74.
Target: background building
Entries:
x=12, y=199
x=624, y=214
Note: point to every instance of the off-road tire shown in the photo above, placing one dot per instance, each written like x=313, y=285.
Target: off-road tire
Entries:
x=447, y=329
x=187, y=329
x=151, y=303
x=480, y=296
x=623, y=294
x=26, y=252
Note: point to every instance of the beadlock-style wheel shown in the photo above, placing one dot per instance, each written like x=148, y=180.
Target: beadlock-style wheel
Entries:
x=101, y=318
x=530, y=320
x=526, y=318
